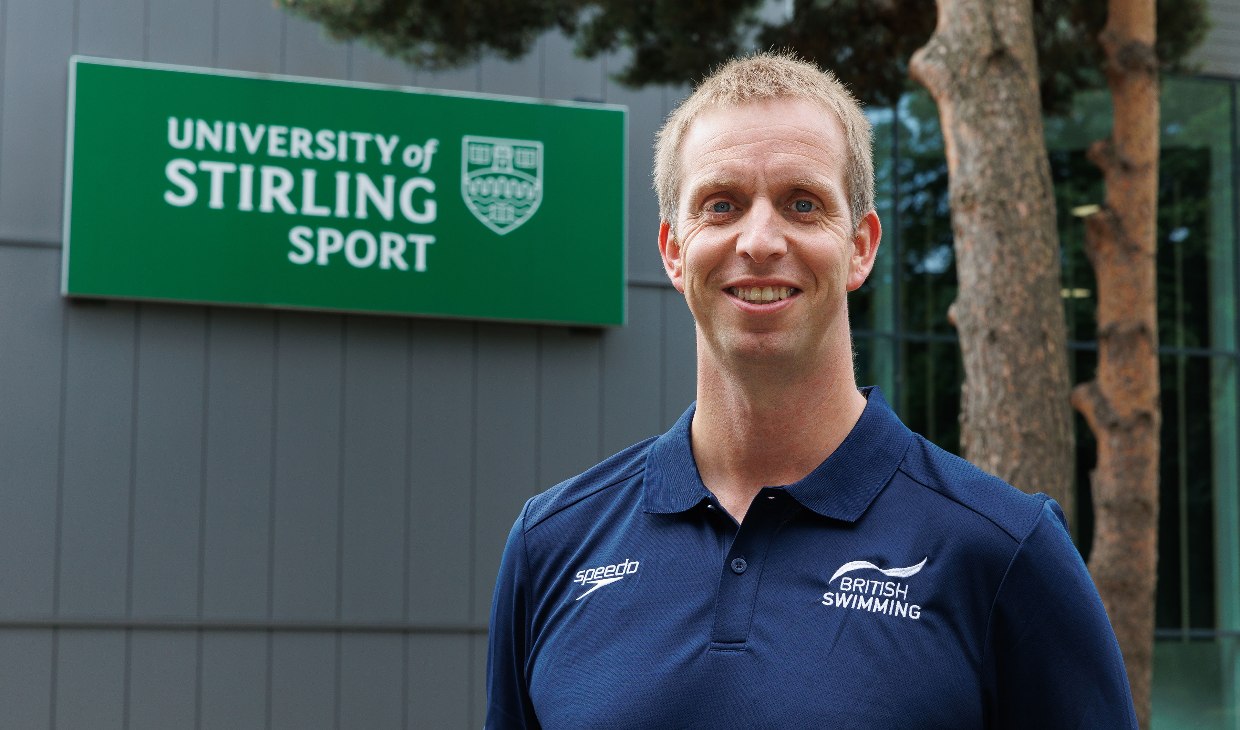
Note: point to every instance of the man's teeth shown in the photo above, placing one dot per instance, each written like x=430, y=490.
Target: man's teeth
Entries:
x=762, y=294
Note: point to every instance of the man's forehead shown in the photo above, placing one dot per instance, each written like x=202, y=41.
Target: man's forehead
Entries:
x=798, y=138
x=820, y=118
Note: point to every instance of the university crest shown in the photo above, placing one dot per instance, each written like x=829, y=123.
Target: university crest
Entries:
x=501, y=180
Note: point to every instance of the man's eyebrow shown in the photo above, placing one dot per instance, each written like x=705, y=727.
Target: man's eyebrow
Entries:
x=813, y=183
x=816, y=182
x=715, y=182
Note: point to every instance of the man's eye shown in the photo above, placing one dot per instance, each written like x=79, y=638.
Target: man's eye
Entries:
x=721, y=206
x=803, y=206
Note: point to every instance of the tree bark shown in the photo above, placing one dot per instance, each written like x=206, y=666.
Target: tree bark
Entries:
x=1121, y=404
x=981, y=68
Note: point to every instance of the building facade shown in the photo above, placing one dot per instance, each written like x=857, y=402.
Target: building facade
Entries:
x=230, y=518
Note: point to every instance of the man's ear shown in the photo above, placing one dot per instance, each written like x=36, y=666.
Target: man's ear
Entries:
x=673, y=256
x=865, y=247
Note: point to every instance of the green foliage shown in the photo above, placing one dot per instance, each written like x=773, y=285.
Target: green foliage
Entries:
x=442, y=33
x=671, y=42
x=867, y=42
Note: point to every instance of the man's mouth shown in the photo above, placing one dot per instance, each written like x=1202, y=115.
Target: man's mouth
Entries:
x=762, y=294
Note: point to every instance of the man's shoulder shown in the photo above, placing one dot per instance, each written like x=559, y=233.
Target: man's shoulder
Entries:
x=962, y=482
x=619, y=468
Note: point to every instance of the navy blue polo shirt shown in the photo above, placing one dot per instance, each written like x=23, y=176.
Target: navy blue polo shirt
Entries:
x=895, y=586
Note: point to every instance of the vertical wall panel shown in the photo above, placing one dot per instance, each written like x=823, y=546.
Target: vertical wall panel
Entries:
x=645, y=117
x=440, y=682
x=251, y=36
x=234, y=681
x=308, y=51
x=366, y=63
x=506, y=448
x=168, y=468
x=632, y=373
x=99, y=403
x=26, y=678
x=478, y=683
x=90, y=680
x=30, y=364
x=307, y=467
x=516, y=78
x=463, y=78
x=4, y=27
x=441, y=378
x=115, y=29
x=181, y=31
x=1217, y=53
x=238, y=468
x=303, y=681
x=162, y=679
x=372, y=680
x=679, y=356
x=673, y=95
x=38, y=39
x=566, y=75
x=568, y=408
x=376, y=442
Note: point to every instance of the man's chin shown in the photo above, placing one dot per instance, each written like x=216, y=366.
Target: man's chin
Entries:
x=758, y=348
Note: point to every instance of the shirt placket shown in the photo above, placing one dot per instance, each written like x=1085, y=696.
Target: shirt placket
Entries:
x=742, y=568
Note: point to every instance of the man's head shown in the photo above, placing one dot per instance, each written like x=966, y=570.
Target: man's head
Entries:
x=757, y=78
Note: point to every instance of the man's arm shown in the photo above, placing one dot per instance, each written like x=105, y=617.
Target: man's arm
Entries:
x=508, y=699
x=1051, y=651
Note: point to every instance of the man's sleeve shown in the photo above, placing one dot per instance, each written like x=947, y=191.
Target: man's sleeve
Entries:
x=1052, y=651
x=508, y=698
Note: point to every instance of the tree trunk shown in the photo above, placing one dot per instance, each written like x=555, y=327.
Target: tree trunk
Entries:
x=981, y=68
x=1122, y=404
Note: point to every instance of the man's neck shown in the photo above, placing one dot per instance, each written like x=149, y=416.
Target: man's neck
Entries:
x=768, y=430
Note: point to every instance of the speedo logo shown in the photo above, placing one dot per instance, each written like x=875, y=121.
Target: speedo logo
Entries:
x=604, y=575
x=863, y=593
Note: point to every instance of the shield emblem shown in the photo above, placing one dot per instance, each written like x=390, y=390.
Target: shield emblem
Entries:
x=501, y=180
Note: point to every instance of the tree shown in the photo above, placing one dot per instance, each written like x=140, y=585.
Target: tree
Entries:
x=1121, y=405
x=980, y=67
x=980, y=63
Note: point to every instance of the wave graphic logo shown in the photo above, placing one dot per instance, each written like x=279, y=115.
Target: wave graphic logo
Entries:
x=889, y=572
x=604, y=575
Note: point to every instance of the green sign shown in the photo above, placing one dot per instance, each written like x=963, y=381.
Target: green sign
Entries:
x=227, y=188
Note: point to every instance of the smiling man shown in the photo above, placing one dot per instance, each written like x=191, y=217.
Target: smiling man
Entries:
x=789, y=554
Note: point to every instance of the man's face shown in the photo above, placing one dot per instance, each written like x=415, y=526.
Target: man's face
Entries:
x=766, y=250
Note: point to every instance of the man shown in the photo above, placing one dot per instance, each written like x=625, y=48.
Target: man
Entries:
x=789, y=554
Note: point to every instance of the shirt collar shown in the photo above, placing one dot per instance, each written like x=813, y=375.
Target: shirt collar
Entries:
x=841, y=487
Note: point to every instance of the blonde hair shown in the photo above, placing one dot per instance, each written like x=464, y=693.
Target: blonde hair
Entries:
x=760, y=77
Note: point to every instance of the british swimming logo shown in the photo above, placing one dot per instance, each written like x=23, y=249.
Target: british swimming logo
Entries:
x=866, y=593
x=604, y=575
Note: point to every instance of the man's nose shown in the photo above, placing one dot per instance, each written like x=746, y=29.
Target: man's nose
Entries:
x=761, y=235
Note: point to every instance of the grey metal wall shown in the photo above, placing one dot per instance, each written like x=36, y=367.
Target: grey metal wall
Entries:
x=1219, y=53
x=226, y=518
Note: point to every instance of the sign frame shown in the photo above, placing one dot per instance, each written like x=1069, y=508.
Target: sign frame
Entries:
x=617, y=261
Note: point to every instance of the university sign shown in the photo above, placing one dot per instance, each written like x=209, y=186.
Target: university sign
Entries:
x=226, y=188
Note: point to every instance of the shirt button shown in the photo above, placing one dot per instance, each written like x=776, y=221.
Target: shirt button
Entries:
x=739, y=565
